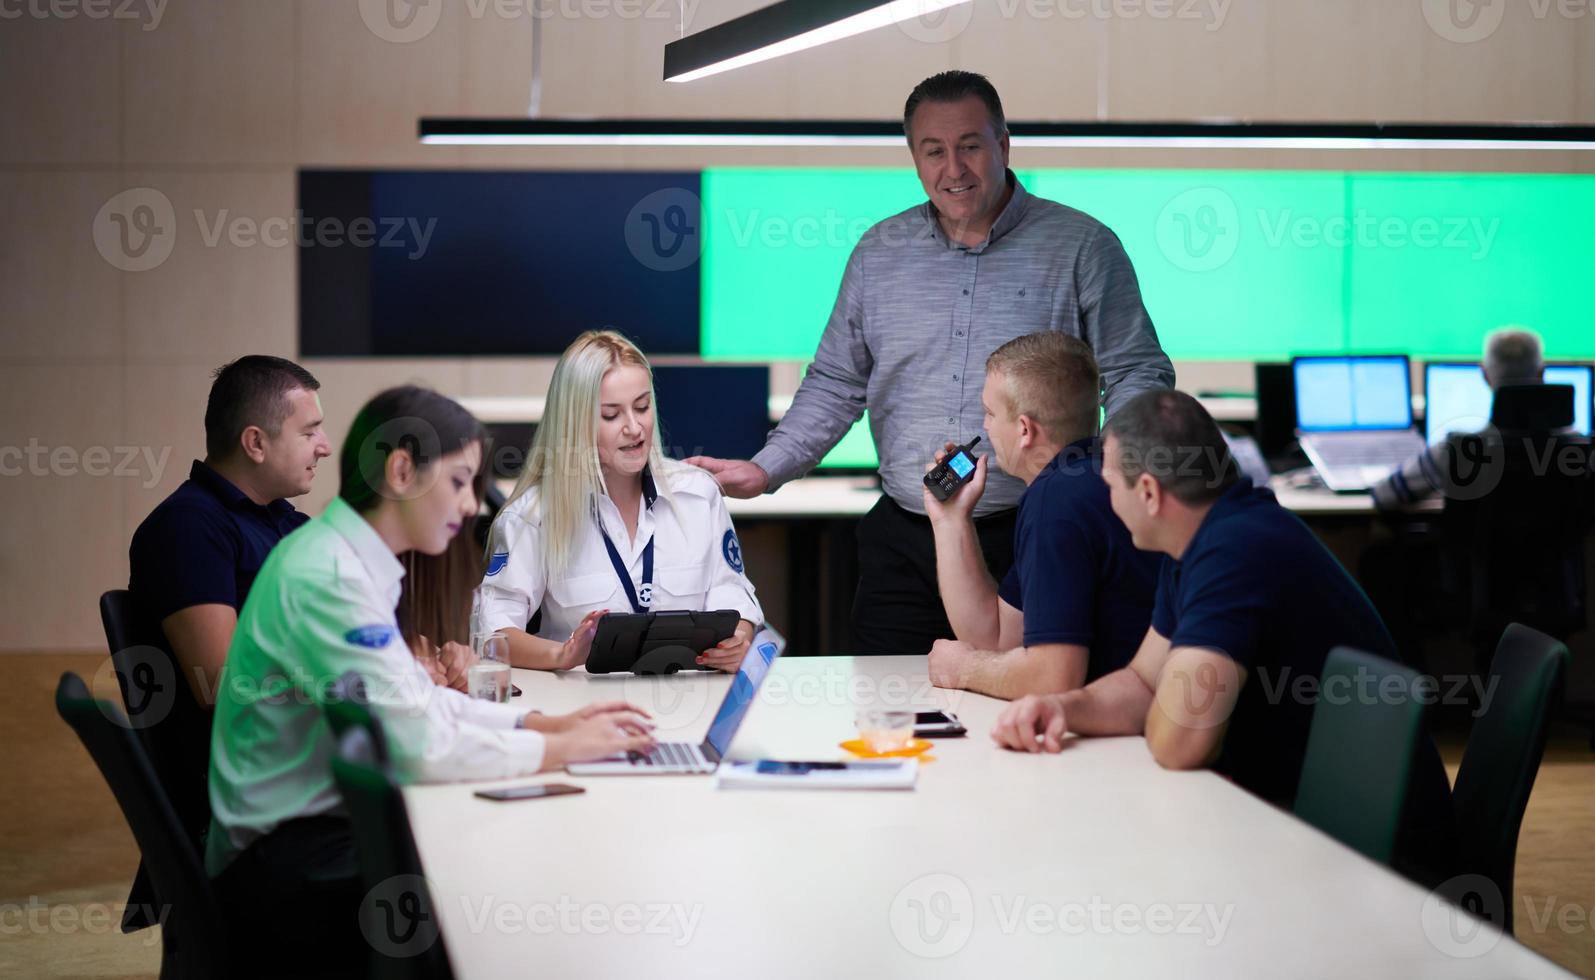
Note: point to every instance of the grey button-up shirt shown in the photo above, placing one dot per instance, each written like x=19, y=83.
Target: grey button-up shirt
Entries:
x=917, y=316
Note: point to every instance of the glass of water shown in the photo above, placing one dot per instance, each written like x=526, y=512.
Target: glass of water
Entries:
x=489, y=677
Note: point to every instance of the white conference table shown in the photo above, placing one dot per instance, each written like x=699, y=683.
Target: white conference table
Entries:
x=1094, y=862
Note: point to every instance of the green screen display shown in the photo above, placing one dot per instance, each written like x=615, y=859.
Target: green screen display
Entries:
x=1233, y=264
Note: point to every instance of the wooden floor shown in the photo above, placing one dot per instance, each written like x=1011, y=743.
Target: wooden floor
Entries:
x=66, y=856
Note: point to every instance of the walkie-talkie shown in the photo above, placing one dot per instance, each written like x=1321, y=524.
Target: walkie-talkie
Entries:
x=952, y=472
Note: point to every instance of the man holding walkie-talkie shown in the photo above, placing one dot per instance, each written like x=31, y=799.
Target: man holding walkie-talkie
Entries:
x=1076, y=603
x=926, y=297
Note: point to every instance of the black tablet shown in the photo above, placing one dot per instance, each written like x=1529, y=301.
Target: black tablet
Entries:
x=657, y=642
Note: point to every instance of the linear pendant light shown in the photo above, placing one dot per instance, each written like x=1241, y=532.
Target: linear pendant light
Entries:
x=1055, y=135
x=784, y=28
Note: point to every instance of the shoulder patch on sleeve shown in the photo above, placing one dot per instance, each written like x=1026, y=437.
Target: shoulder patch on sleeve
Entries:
x=373, y=637
x=732, y=549
x=496, y=563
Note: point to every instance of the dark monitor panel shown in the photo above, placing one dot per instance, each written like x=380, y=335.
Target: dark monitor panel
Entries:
x=428, y=263
x=712, y=409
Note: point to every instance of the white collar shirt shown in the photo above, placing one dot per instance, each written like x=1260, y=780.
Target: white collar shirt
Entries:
x=698, y=562
x=323, y=605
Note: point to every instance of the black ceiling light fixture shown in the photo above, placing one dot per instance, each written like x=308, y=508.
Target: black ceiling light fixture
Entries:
x=789, y=26
x=785, y=28
x=546, y=131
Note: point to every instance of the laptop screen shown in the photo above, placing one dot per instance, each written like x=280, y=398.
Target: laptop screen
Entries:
x=740, y=697
x=1352, y=393
x=1458, y=399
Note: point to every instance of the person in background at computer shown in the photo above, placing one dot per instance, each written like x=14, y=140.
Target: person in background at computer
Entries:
x=323, y=605
x=1077, y=601
x=1249, y=605
x=927, y=295
x=1511, y=356
x=601, y=520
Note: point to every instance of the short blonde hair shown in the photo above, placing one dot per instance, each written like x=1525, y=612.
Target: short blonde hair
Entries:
x=1052, y=378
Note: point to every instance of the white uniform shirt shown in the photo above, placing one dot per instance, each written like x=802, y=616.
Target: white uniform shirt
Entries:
x=324, y=604
x=697, y=559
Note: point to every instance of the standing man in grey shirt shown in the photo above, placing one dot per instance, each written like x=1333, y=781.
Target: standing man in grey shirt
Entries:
x=927, y=295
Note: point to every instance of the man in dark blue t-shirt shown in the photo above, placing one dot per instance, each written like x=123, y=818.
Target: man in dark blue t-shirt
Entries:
x=1246, y=612
x=1077, y=601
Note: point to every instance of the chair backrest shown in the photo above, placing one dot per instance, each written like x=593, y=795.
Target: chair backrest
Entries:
x=347, y=708
x=1520, y=537
x=1360, y=750
x=1532, y=407
x=1504, y=751
x=193, y=938
x=132, y=644
x=174, y=728
x=398, y=916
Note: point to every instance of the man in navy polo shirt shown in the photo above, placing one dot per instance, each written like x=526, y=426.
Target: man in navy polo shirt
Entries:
x=1250, y=603
x=1077, y=601
x=195, y=556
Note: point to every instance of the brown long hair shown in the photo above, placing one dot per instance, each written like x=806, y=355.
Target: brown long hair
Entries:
x=436, y=597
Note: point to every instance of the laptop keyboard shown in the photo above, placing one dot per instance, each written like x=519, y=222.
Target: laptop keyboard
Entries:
x=673, y=754
x=1372, y=449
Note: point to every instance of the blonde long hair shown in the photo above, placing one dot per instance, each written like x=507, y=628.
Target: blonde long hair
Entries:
x=562, y=461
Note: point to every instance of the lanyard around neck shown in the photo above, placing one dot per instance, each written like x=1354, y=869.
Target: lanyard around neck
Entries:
x=641, y=598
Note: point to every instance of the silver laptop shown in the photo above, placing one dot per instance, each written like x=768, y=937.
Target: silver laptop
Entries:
x=674, y=758
x=1354, y=417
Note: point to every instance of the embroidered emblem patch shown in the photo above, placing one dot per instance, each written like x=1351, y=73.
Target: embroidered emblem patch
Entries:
x=373, y=637
x=732, y=549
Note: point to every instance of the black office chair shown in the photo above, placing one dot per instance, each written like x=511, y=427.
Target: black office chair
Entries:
x=1519, y=542
x=1503, y=755
x=397, y=916
x=193, y=943
x=174, y=729
x=347, y=708
x=1359, y=758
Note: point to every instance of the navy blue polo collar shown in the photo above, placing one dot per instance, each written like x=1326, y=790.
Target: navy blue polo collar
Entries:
x=233, y=498
x=1243, y=493
x=1009, y=219
x=1087, y=450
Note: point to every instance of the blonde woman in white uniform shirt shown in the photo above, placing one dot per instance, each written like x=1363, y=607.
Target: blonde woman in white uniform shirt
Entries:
x=601, y=521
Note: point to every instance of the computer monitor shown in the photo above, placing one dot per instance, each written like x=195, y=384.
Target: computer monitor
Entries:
x=1357, y=393
x=1582, y=378
x=1458, y=399
x=712, y=409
